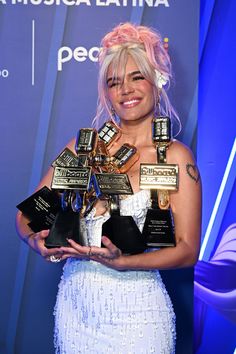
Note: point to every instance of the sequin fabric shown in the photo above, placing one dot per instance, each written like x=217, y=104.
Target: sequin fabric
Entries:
x=100, y=310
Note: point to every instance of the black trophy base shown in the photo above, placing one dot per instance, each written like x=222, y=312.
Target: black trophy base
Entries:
x=158, y=229
x=124, y=233
x=66, y=225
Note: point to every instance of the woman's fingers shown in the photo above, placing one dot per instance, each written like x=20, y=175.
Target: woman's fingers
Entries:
x=115, y=251
x=87, y=251
x=110, y=251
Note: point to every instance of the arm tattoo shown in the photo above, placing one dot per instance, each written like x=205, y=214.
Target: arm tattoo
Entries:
x=193, y=172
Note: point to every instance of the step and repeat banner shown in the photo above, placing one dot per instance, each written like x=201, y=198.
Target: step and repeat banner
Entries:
x=48, y=86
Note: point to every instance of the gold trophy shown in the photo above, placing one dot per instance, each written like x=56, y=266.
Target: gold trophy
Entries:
x=122, y=230
x=73, y=183
x=160, y=178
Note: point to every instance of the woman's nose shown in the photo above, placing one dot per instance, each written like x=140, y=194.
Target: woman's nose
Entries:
x=126, y=88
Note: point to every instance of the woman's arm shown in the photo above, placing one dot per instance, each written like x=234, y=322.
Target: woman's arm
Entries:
x=37, y=240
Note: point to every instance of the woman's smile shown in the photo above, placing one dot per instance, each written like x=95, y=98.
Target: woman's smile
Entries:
x=131, y=103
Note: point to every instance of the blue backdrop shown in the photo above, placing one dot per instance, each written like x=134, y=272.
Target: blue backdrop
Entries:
x=215, y=285
x=42, y=109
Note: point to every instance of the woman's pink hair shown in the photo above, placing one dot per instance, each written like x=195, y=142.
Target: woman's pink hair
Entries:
x=150, y=39
x=148, y=44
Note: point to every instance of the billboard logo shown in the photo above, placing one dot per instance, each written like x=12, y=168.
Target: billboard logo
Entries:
x=79, y=54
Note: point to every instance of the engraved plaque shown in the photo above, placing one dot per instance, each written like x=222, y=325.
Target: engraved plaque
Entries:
x=159, y=176
x=111, y=183
x=41, y=208
x=159, y=229
x=76, y=178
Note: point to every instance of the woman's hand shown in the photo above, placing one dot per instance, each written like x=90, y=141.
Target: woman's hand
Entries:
x=110, y=255
x=37, y=242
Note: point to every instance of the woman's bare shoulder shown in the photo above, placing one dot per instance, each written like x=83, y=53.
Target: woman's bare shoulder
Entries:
x=179, y=152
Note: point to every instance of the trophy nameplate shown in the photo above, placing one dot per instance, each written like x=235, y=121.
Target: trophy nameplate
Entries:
x=158, y=228
x=112, y=183
x=73, y=178
x=159, y=176
x=66, y=159
x=41, y=208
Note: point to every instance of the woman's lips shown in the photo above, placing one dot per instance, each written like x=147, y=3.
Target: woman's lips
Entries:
x=131, y=103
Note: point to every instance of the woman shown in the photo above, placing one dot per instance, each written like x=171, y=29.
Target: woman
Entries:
x=109, y=302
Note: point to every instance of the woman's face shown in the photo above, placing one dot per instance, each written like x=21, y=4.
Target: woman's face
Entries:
x=132, y=98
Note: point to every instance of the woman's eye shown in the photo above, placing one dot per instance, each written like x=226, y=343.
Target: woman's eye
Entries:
x=135, y=78
x=113, y=84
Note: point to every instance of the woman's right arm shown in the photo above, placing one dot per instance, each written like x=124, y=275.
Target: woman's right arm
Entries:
x=37, y=240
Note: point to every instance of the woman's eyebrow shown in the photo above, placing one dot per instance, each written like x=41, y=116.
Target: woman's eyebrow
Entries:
x=132, y=73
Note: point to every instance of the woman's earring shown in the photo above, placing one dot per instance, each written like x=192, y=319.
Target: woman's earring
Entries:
x=113, y=113
x=157, y=107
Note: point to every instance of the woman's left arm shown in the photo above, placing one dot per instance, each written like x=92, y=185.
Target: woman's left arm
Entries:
x=186, y=209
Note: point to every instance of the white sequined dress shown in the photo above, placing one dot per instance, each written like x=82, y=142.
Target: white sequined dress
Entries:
x=101, y=310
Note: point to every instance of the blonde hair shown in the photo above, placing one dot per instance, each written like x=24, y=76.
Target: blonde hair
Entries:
x=145, y=46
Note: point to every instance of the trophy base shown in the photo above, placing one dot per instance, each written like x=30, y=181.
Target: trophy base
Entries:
x=66, y=225
x=158, y=228
x=124, y=233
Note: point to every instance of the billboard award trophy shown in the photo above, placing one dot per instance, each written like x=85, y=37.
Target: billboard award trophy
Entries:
x=111, y=182
x=71, y=178
x=160, y=178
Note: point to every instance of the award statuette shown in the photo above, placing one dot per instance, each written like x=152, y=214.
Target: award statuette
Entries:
x=73, y=182
x=160, y=179
x=122, y=230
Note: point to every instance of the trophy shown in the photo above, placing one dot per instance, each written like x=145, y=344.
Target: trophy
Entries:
x=101, y=163
x=160, y=178
x=73, y=183
x=122, y=230
x=43, y=207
